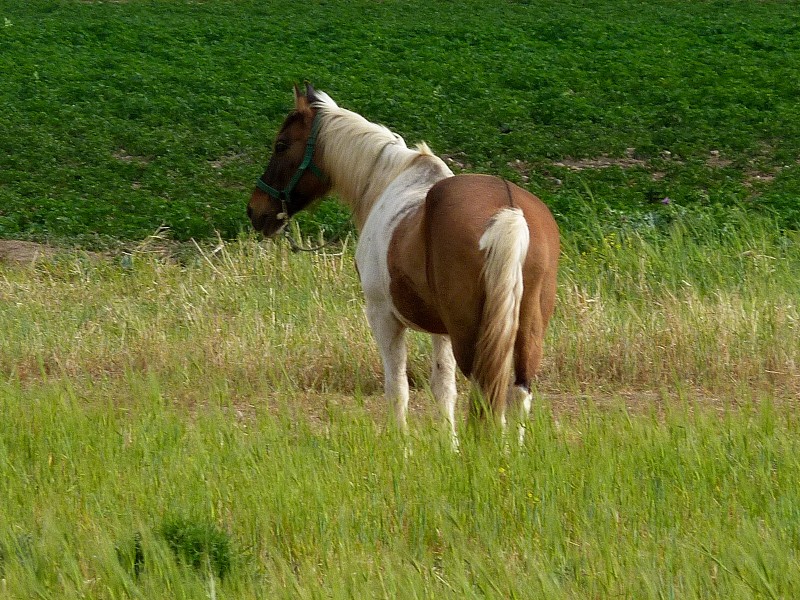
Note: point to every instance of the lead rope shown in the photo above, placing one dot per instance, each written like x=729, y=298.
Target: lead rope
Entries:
x=296, y=247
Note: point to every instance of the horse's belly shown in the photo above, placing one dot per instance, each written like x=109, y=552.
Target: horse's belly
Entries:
x=412, y=310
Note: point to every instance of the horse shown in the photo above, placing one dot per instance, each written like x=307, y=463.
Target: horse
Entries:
x=470, y=259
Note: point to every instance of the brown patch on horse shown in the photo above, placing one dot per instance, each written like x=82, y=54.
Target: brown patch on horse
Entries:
x=409, y=287
x=539, y=279
x=442, y=290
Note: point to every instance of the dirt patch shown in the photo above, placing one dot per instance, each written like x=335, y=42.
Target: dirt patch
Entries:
x=123, y=155
x=601, y=162
x=320, y=408
x=21, y=253
x=759, y=177
x=715, y=161
x=457, y=161
x=16, y=252
x=227, y=159
x=524, y=168
x=753, y=176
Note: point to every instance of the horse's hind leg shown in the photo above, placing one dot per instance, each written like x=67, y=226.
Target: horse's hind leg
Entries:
x=520, y=396
x=443, y=380
x=390, y=335
x=528, y=350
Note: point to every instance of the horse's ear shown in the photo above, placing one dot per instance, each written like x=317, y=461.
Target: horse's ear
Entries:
x=300, y=101
x=316, y=97
x=311, y=93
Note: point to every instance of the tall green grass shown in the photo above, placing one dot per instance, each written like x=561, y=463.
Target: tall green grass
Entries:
x=679, y=295
x=212, y=426
x=693, y=504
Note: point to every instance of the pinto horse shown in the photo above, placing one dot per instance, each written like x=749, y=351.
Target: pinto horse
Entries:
x=470, y=259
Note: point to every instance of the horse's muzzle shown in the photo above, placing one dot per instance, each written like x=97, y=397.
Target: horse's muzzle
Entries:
x=260, y=223
x=263, y=213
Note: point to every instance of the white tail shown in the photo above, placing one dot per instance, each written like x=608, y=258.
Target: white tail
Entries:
x=505, y=243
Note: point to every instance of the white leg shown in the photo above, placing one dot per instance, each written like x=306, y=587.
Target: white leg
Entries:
x=390, y=335
x=521, y=397
x=500, y=418
x=443, y=381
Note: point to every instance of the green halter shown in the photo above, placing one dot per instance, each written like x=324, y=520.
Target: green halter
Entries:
x=306, y=165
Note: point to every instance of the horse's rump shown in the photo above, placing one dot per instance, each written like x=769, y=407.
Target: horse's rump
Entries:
x=458, y=213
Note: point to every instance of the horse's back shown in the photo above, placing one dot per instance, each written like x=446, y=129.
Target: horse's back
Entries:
x=467, y=202
x=459, y=209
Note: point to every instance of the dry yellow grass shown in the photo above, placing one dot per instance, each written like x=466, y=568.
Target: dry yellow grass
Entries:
x=255, y=318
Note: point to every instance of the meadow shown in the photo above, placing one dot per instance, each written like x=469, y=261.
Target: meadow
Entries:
x=213, y=427
x=197, y=413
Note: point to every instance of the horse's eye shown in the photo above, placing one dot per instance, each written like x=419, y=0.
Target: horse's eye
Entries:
x=281, y=146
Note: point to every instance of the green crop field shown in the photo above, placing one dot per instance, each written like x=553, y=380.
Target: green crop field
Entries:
x=204, y=419
x=121, y=117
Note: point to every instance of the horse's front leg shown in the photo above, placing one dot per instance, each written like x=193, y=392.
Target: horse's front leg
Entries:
x=390, y=335
x=443, y=380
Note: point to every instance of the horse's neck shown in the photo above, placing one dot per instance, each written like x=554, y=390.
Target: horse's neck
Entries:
x=405, y=192
x=363, y=159
x=361, y=185
x=389, y=164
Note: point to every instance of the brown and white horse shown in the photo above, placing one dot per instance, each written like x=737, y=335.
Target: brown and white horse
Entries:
x=470, y=259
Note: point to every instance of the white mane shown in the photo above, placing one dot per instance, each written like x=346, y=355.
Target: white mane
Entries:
x=360, y=157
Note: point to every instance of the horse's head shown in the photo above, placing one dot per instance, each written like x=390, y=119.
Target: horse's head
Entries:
x=292, y=179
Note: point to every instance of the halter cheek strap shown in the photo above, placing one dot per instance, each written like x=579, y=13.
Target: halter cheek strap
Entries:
x=284, y=195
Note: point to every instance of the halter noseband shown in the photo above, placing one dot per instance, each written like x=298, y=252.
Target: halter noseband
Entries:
x=306, y=165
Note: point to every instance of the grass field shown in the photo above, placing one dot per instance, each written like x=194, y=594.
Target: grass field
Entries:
x=213, y=427
x=204, y=420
